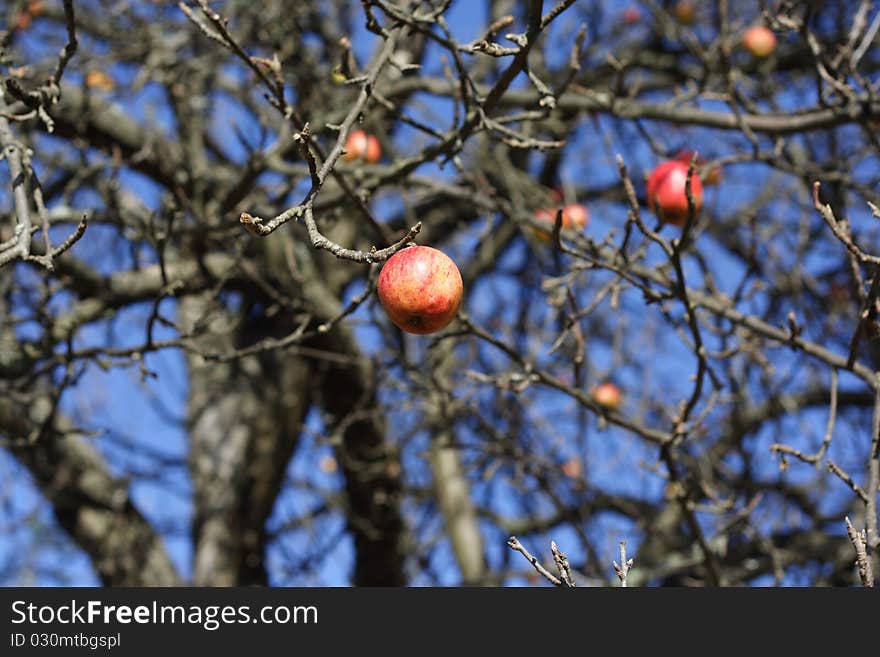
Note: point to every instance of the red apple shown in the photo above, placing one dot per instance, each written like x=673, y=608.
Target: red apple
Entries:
x=577, y=214
x=97, y=79
x=574, y=215
x=666, y=192
x=759, y=41
x=361, y=146
x=23, y=20
x=607, y=395
x=631, y=16
x=685, y=12
x=420, y=289
x=328, y=464
x=711, y=177
x=572, y=468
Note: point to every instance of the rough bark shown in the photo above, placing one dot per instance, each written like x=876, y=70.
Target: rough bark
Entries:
x=245, y=418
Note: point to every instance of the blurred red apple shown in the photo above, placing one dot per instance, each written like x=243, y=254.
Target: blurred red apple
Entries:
x=759, y=41
x=420, y=289
x=631, y=16
x=23, y=20
x=574, y=215
x=666, y=192
x=362, y=146
x=607, y=395
x=97, y=79
x=578, y=215
x=710, y=177
x=26, y=16
x=572, y=468
x=685, y=12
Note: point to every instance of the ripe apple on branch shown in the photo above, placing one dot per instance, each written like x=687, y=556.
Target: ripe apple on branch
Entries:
x=362, y=147
x=420, y=289
x=708, y=178
x=631, y=15
x=667, y=192
x=685, y=12
x=760, y=41
x=607, y=395
x=574, y=215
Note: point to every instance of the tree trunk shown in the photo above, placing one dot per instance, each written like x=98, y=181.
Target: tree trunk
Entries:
x=244, y=419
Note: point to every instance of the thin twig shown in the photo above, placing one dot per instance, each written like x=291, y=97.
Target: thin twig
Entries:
x=562, y=565
x=863, y=559
x=623, y=570
x=845, y=478
x=514, y=544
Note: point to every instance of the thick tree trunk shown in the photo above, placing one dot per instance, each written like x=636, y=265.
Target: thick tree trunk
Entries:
x=244, y=419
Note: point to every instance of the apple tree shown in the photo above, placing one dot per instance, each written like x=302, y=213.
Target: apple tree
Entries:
x=199, y=384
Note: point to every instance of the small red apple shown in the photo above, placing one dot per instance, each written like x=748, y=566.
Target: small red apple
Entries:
x=328, y=464
x=759, y=41
x=26, y=16
x=685, y=12
x=607, y=395
x=361, y=146
x=98, y=79
x=711, y=177
x=572, y=468
x=666, y=192
x=23, y=20
x=420, y=289
x=574, y=215
x=631, y=15
x=578, y=215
